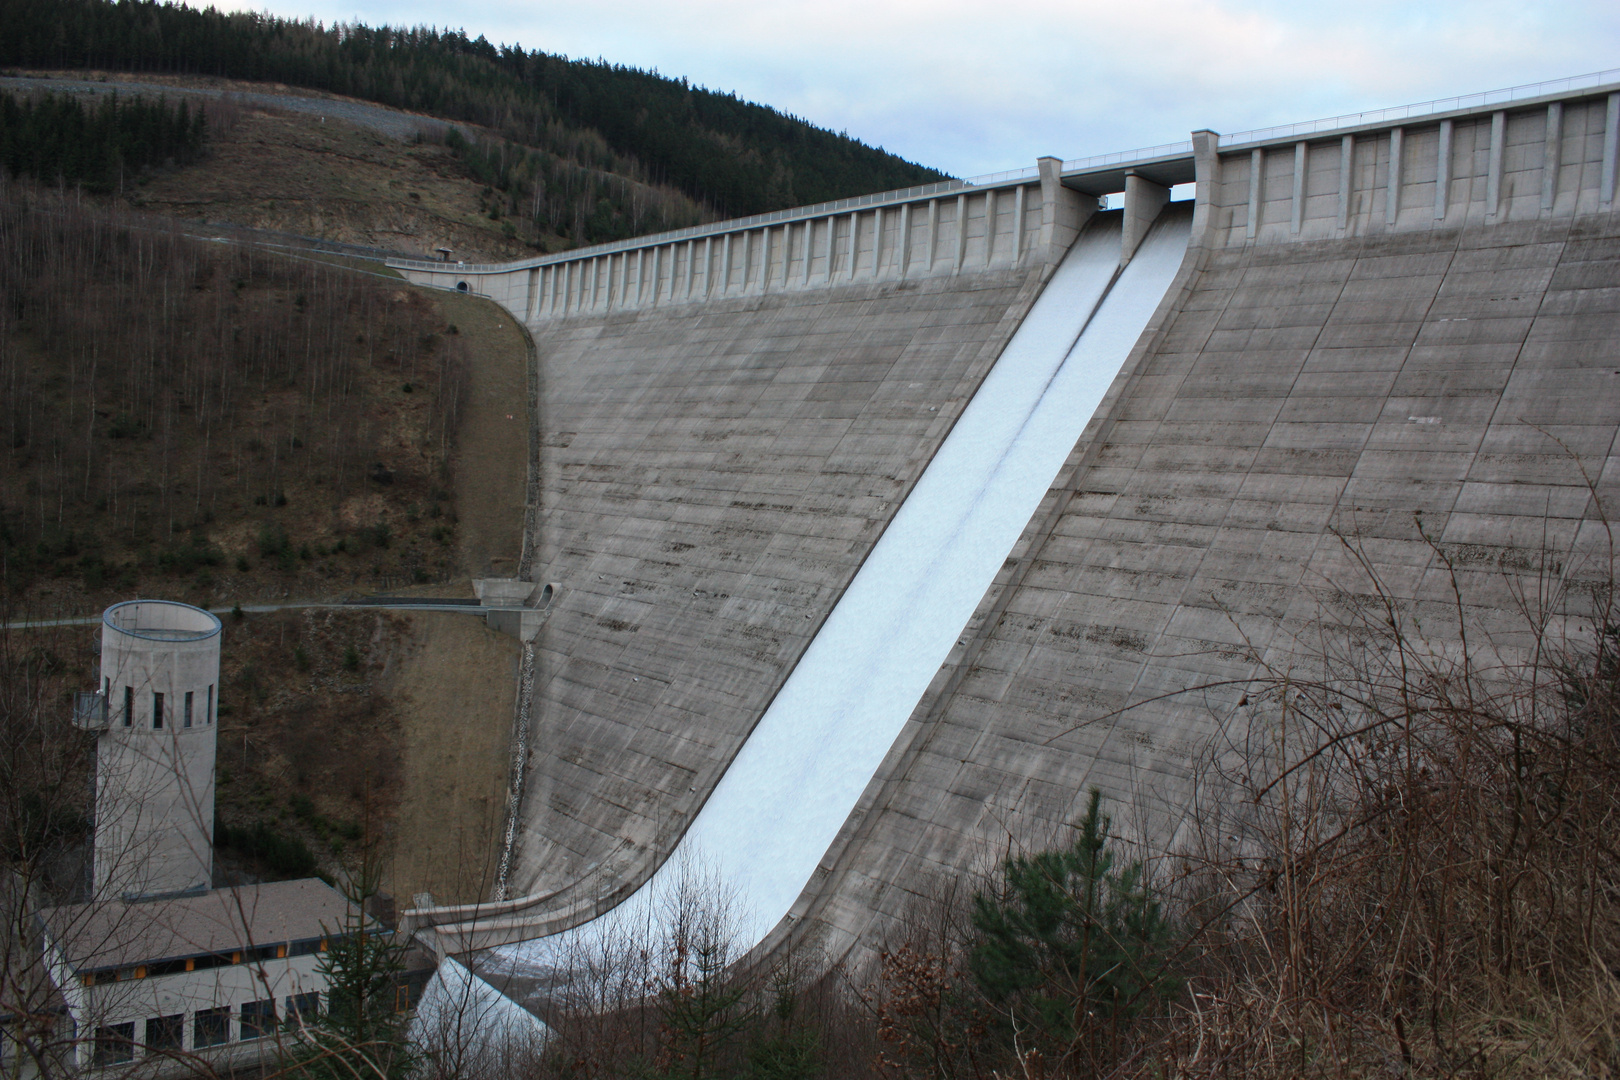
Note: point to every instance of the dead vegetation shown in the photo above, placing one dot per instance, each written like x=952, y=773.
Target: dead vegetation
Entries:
x=1404, y=864
x=209, y=422
x=332, y=180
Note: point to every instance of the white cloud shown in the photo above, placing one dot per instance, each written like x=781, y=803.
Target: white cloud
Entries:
x=970, y=87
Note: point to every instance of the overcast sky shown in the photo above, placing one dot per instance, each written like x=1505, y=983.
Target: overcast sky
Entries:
x=984, y=86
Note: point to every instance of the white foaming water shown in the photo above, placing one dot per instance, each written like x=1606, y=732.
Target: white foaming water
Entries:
x=794, y=782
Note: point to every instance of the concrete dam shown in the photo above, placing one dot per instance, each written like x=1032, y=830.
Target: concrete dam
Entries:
x=879, y=532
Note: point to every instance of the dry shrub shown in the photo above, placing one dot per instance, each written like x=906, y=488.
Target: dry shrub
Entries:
x=1409, y=867
x=1422, y=879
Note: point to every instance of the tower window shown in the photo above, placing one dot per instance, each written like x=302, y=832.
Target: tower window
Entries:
x=187, y=721
x=208, y=710
x=157, y=711
x=129, y=705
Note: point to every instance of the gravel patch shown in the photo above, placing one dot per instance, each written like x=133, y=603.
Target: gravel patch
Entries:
x=385, y=121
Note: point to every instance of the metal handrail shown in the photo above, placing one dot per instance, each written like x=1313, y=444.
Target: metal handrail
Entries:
x=1427, y=108
x=1121, y=157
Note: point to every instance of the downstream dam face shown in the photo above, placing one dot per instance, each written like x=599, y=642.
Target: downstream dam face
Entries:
x=1386, y=344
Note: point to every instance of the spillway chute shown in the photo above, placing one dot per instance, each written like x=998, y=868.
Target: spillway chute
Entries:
x=789, y=790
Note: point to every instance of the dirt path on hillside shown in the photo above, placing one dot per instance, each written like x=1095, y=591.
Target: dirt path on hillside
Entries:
x=454, y=685
x=456, y=682
x=491, y=459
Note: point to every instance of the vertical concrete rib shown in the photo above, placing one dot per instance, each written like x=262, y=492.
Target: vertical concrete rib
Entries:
x=1143, y=201
x=1493, y=166
x=961, y=234
x=1018, y=224
x=1257, y=175
x=809, y=241
x=905, y=238
x=854, y=241
x=1611, y=150
x=1442, y=171
x=708, y=267
x=1347, y=178
x=725, y=263
x=832, y=246
x=933, y=232
x=658, y=272
x=877, y=243
x=989, y=226
x=1392, y=191
x=787, y=252
x=1552, y=155
x=1302, y=152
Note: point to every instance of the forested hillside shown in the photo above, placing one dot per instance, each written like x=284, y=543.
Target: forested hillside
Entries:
x=52, y=137
x=734, y=156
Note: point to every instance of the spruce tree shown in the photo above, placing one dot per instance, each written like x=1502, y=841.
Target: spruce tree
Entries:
x=359, y=1035
x=1068, y=940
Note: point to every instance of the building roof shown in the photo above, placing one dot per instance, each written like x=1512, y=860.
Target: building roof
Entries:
x=118, y=933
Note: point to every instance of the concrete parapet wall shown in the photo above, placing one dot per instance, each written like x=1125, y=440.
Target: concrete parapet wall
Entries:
x=1537, y=160
x=969, y=230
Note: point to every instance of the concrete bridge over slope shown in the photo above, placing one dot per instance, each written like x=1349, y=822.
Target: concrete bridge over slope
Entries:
x=1376, y=316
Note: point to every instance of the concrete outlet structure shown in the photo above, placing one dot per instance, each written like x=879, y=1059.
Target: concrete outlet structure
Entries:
x=155, y=751
x=156, y=969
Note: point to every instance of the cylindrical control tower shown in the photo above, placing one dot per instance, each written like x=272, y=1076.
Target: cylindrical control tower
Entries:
x=154, y=814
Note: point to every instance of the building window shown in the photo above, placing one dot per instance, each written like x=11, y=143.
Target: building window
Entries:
x=258, y=1019
x=129, y=705
x=165, y=1034
x=212, y=1027
x=157, y=711
x=115, y=1044
x=208, y=710
x=187, y=721
x=303, y=1008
